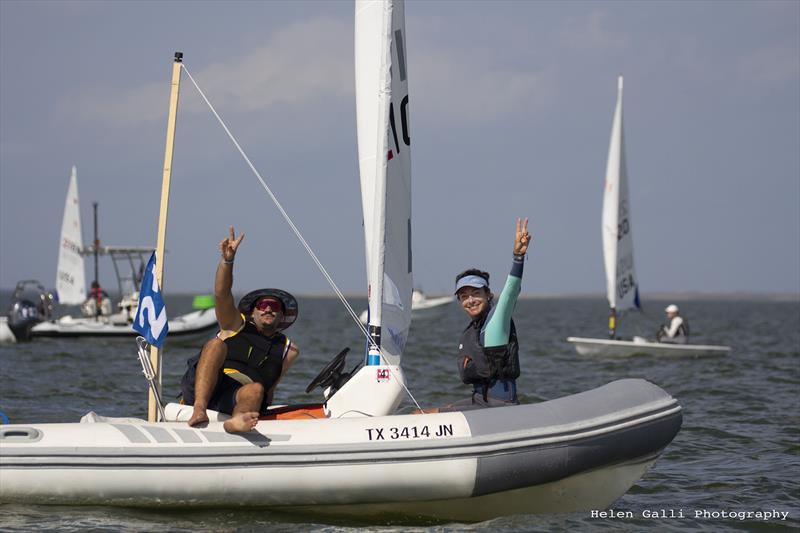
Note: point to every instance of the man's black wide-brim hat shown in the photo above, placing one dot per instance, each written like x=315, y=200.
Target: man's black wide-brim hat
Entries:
x=289, y=302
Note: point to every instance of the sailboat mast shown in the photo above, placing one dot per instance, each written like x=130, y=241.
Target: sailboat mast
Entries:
x=612, y=323
x=155, y=352
x=384, y=150
x=96, y=246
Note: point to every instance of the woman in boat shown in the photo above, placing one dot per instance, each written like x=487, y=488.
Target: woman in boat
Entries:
x=237, y=371
x=488, y=357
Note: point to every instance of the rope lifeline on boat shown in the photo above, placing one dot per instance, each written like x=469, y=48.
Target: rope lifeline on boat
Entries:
x=296, y=231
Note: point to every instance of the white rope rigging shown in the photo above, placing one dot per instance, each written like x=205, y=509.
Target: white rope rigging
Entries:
x=297, y=233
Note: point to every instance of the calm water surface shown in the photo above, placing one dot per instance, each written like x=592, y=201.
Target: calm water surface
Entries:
x=738, y=450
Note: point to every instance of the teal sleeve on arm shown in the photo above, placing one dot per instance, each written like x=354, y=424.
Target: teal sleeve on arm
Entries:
x=498, y=329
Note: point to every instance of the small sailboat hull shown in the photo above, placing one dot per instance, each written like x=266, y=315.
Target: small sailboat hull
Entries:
x=575, y=453
x=620, y=348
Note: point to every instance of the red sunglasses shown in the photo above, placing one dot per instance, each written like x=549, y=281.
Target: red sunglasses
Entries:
x=271, y=303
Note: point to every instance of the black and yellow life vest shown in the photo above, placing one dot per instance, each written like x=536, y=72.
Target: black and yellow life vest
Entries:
x=252, y=357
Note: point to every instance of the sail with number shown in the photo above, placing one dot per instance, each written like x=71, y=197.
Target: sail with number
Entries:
x=70, y=278
x=385, y=168
x=622, y=287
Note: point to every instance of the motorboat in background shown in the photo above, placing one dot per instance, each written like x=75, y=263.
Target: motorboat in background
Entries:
x=129, y=263
x=98, y=316
x=622, y=286
x=30, y=304
x=39, y=316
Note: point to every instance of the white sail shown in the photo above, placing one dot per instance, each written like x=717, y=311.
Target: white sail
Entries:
x=622, y=287
x=70, y=278
x=385, y=169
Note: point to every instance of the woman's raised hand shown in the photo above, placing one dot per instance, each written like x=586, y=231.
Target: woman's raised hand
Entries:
x=522, y=238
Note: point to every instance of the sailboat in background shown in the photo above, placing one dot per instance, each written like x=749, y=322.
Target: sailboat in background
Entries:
x=352, y=454
x=622, y=287
x=31, y=303
x=70, y=273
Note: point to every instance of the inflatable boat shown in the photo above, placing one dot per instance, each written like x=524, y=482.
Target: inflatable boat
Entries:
x=574, y=453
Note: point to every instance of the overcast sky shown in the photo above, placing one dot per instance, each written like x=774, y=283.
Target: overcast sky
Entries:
x=511, y=108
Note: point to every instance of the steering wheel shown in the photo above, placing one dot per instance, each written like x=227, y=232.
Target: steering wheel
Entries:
x=331, y=371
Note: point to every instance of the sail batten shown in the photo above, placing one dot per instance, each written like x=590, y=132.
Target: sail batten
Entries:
x=621, y=284
x=385, y=171
x=70, y=275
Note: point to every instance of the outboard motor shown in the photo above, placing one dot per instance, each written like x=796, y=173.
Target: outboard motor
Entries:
x=24, y=313
x=22, y=316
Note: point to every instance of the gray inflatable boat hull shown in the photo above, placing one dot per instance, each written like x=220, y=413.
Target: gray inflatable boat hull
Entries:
x=574, y=453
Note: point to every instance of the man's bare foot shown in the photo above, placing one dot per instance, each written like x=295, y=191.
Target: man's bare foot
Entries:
x=241, y=423
x=199, y=417
x=428, y=411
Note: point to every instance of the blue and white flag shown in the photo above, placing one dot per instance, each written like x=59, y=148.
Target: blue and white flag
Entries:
x=151, y=316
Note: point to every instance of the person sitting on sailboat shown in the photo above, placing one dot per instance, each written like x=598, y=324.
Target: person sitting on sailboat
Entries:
x=676, y=330
x=237, y=371
x=97, y=302
x=488, y=352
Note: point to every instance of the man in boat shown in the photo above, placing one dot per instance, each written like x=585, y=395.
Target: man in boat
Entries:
x=237, y=371
x=97, y=302
x=676, y=329
x=488, y=352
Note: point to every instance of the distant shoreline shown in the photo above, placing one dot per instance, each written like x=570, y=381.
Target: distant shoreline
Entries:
x=683, y=296
x=654, y=296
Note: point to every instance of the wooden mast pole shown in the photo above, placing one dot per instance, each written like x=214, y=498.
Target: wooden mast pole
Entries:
x=155, y=353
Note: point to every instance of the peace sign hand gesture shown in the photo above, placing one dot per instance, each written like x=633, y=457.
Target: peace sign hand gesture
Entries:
x=229, y=245
x=522, y=238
